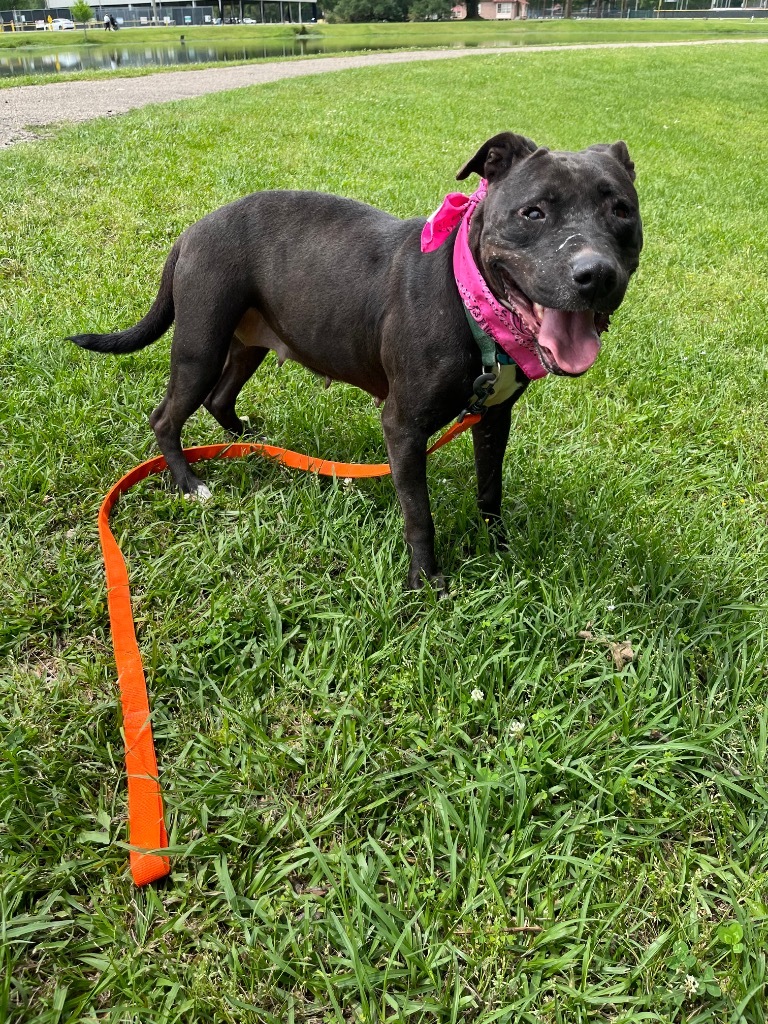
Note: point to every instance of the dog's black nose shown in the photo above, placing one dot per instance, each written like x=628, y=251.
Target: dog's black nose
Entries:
x=595, y=276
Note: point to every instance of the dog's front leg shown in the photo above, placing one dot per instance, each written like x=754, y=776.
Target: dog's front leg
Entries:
x=489, y=438
x=406, y=445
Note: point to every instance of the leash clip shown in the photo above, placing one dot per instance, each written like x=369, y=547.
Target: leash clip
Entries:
x=482, y=389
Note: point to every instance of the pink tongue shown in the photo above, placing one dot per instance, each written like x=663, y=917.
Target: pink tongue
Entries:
x=570, y=339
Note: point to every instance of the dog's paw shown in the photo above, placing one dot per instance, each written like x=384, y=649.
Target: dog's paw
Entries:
x=251, y=431
x=419, y=580
x=200, y=493
x=497, y=532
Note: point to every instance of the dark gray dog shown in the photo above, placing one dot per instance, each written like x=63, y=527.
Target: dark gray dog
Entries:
x=345, y=290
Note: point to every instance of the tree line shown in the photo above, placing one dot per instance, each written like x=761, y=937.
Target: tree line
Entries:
x=387, y=10
x=441, y=10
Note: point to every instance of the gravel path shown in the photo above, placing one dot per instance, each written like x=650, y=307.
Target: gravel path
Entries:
x=29, y=106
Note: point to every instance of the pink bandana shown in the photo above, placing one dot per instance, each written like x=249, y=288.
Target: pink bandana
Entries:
x=508, y=329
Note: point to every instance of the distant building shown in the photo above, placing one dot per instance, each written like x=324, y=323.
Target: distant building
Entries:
x=512, y=11
x=490, y=11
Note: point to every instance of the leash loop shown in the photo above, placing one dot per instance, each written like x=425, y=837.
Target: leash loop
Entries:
x=146, y=825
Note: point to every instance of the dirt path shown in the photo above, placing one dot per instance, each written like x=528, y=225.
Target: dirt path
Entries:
x=25, y=107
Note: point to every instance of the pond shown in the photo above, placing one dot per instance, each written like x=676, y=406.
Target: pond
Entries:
x=140, y=55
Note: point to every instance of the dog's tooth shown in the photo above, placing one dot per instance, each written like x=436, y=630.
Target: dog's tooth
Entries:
x=538, y=310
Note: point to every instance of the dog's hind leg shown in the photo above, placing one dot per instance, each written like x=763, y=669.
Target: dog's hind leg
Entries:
x=252, y=340
x=242, y=362
x=198, y=354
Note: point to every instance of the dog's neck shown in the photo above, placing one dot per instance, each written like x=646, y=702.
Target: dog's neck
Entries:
x=504, y=326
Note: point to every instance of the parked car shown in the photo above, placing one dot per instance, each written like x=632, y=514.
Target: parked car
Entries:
x=59, y=24
x=40, y=24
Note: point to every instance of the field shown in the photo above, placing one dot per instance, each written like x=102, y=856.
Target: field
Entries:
x=355, y=835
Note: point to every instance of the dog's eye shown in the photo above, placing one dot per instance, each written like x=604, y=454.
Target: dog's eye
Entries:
x=622, y=211
x=532, y=213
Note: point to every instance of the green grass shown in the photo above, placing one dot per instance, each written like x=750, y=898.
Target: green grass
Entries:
x=354, y=837
x=349, y=38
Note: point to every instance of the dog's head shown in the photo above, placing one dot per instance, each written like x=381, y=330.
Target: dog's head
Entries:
x=557, y=238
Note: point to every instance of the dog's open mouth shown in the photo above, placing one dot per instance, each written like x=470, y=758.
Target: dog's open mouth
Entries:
x=567, y=341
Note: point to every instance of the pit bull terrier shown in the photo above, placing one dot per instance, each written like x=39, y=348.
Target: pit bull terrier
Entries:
x=494, y=290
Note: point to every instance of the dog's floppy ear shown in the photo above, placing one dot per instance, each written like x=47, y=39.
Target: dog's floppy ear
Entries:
x=619, y=151
x=496, y=156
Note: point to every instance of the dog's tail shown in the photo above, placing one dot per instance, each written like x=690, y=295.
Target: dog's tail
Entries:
x=149, y=329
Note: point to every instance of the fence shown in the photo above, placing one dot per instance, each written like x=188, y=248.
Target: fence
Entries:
x=129, y=16
x=27, y=19
x=553, y=9
x=161, y=15
x=158, y=13
x=269, y=12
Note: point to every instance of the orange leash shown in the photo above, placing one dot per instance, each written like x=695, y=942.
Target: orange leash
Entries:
x=147, y=835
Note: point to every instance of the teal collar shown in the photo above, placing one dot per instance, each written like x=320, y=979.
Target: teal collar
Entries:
x=501, y=378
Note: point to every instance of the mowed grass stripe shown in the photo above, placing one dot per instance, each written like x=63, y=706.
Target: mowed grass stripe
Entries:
x=355, y=837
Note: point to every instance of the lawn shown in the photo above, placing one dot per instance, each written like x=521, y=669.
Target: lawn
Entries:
x=354, y=836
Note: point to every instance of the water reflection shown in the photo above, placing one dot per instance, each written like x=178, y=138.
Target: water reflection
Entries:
x=167, y=54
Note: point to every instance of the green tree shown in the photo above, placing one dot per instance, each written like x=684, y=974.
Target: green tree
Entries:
x=369, y=10
x=430, y=10
x=81, y=12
